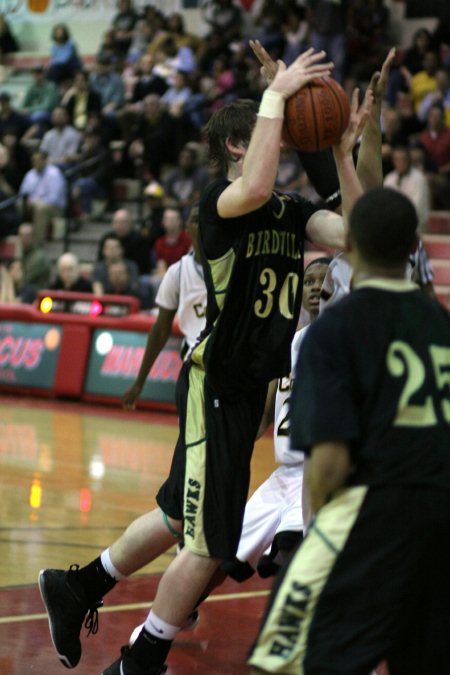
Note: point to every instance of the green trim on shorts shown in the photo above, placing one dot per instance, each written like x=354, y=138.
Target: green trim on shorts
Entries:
x=178, y=536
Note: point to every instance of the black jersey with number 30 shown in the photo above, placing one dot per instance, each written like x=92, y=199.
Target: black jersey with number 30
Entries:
x=253, y=273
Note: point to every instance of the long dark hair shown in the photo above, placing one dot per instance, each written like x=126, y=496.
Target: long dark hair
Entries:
x=234, y=121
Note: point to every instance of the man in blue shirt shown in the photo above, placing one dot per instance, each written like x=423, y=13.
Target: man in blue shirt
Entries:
x=44, y=186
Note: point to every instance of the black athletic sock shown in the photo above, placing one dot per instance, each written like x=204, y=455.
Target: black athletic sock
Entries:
x=95, y=580
x=150, y=650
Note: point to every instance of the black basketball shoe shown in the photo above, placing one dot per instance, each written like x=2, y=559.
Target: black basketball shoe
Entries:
x=67, y=608
x=126, y=665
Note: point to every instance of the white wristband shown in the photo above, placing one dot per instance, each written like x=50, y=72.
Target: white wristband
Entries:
x=272, y=105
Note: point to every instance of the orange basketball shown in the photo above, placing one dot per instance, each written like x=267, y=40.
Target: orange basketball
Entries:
x=316, y=116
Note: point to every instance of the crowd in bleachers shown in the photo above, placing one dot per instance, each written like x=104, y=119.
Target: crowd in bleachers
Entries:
x=139, y=111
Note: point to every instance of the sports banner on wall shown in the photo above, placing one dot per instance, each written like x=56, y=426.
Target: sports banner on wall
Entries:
x=114, y=361
x=29, y=353
x=66, y=10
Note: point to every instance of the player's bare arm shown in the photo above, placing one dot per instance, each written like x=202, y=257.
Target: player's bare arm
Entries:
x=325, y=227
x=255, y=170
x=156, y=340
x=268, y=414
x=369, y=165
x=328, y=469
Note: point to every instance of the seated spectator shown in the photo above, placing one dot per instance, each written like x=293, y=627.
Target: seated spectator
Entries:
x=328, y=23
x=142, y=36
x=169, y=60
x=392, y=135
x=112, y=252
x=35, y=261
x=81, y=101
x=441, y=38
x=119, y=282
x=69, y=275
x=108, y=84
x=411, y=182
x=367, y=37
x=64, y=59
x=424, y=82
x=61, y=143
x=123, y=24
x=440, y=95
x=223, y=83
x=175, y=29
x=45, y=189
x=409, y=122
x=94, y=168
x=177, y=95
x=295, y=31
x=147, y=82
x=421, y=43
x=11, y=118
x=436, y=142
x=185, y=183
x=411, y=64
x=41, y=98
x=173, y=244
x=108, y=47
x=19, y=156
x=23, y=290
x=155, y=138
x=224, y=19
x=9, y=214
x=135, y=246
x=8, y=43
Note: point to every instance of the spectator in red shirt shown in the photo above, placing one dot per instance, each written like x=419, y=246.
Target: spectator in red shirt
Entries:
x=173, y=244
x=436, y=142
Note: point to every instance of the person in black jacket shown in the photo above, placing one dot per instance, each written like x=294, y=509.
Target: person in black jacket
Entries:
x=81, y=101
x=95, y=171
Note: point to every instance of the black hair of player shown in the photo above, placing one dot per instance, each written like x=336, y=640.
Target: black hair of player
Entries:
x=383, y=226
x=234, y=121
x=323, y=260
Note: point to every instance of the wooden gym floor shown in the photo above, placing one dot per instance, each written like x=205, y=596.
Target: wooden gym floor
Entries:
x=71, y=479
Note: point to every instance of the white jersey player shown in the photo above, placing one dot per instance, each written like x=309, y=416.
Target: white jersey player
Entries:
x=182, y=291
x=273, y=520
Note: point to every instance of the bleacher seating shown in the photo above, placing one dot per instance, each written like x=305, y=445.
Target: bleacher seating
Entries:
x=437, y=245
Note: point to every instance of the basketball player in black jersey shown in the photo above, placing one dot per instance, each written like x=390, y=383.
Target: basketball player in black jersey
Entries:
x=372, y=406
x=252, y=248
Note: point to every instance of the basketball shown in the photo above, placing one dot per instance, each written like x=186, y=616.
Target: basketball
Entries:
x=316, y=116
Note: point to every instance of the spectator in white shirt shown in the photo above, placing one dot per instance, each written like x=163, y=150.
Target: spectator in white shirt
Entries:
x=411, y=182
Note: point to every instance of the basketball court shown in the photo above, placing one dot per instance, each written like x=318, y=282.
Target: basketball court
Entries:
x=72, y=478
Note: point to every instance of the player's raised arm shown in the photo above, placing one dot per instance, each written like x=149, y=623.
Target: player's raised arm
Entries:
x=319, y=166
x=369, y=165
x=255, y=168
x=325, y=227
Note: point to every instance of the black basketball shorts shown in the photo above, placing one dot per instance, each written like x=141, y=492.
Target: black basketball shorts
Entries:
x=209, y=478
x=370, y=582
